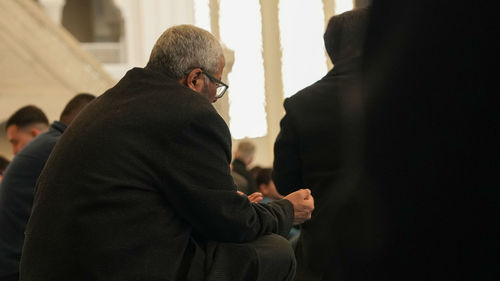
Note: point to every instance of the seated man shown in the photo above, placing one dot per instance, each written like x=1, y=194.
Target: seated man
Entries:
x=17, y=188
x=139, y=186
x=25, y=124
x=265, y=185
x=243, y=156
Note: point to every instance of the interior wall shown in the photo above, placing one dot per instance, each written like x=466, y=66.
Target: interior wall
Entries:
x=144, y=21
x=77, y=18
x=5, y=148
x=41, y=64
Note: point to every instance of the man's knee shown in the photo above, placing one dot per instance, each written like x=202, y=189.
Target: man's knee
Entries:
x=275, y=247
x=276, y=258
x=268, y=258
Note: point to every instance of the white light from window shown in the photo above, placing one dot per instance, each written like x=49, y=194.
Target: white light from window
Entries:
x=241, y=31
x=202, y=14
x=343, y=6
x=303, y=59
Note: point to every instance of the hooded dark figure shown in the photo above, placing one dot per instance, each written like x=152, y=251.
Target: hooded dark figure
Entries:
x=309, y=152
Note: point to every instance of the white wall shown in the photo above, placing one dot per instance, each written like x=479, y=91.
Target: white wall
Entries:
x=144, y=21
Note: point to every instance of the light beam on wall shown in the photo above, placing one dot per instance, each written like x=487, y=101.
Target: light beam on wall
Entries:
x=301, y=32
x=343, y=6
x=202, y=14
x=241, y=31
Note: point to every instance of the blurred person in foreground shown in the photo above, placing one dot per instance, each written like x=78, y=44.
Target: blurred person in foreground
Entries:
x=17, y=188
x=430, y=149
x=139, y=186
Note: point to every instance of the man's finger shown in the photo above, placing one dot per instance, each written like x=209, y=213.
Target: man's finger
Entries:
x=306, y=193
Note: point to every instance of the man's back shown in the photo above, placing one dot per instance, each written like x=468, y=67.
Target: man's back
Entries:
x=308, y=152
x=80, y=237
x=108, y=209
x=314, y=115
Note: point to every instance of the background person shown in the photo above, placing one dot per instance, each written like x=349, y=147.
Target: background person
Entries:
x=309, y=150
x=243, y=157
x=25, y=124
x=266, y=186
x=18, y=185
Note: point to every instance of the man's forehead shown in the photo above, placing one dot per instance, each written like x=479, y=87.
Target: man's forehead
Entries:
x=13, y=130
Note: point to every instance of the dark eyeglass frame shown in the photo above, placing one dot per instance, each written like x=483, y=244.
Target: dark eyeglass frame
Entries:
x=216, y=81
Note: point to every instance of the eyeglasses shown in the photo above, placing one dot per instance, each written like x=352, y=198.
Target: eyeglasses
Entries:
x=221, y=86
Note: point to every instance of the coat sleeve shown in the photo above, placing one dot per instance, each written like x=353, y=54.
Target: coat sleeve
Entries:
x=201, y=190
x=287, y=172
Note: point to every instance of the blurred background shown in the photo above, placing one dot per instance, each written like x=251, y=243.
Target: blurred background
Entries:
x=54, y=49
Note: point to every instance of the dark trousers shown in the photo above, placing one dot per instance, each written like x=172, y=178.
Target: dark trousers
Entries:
x=269, y=258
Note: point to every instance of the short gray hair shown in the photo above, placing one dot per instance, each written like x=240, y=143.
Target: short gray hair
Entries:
x=245, y=149
x=184, y=47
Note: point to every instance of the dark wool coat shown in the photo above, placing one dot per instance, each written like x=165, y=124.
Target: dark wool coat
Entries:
x=308, y=153
x=139, y=188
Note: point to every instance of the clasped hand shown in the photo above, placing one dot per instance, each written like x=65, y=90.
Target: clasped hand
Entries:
x=303, y=205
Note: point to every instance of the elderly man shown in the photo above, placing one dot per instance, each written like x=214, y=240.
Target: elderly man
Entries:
x=139, y=187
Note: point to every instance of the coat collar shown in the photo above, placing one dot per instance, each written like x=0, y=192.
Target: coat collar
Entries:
x=58, y=126
x=346, y=66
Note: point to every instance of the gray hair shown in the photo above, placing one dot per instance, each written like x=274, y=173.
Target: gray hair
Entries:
x=245, y=149
x=184, y=47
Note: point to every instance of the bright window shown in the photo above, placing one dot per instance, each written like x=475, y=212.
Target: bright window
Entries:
x=302, y=26
x=343, y=6
x=202, y=14
x=241, y=31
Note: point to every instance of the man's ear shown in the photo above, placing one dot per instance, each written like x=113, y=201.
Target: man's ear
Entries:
x=34, y=132
x=194, y=80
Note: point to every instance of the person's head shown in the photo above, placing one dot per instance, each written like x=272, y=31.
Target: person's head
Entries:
x=3, y=166
x=25, y=124
x=192, y=56
x=344, y=35
x=255, y=170
x=245, y=152
x=74, y=106
x=265, y=184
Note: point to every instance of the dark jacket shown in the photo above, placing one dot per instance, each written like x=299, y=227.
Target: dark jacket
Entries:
x=139, y=188
x=16, y=197
x=308, y=154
